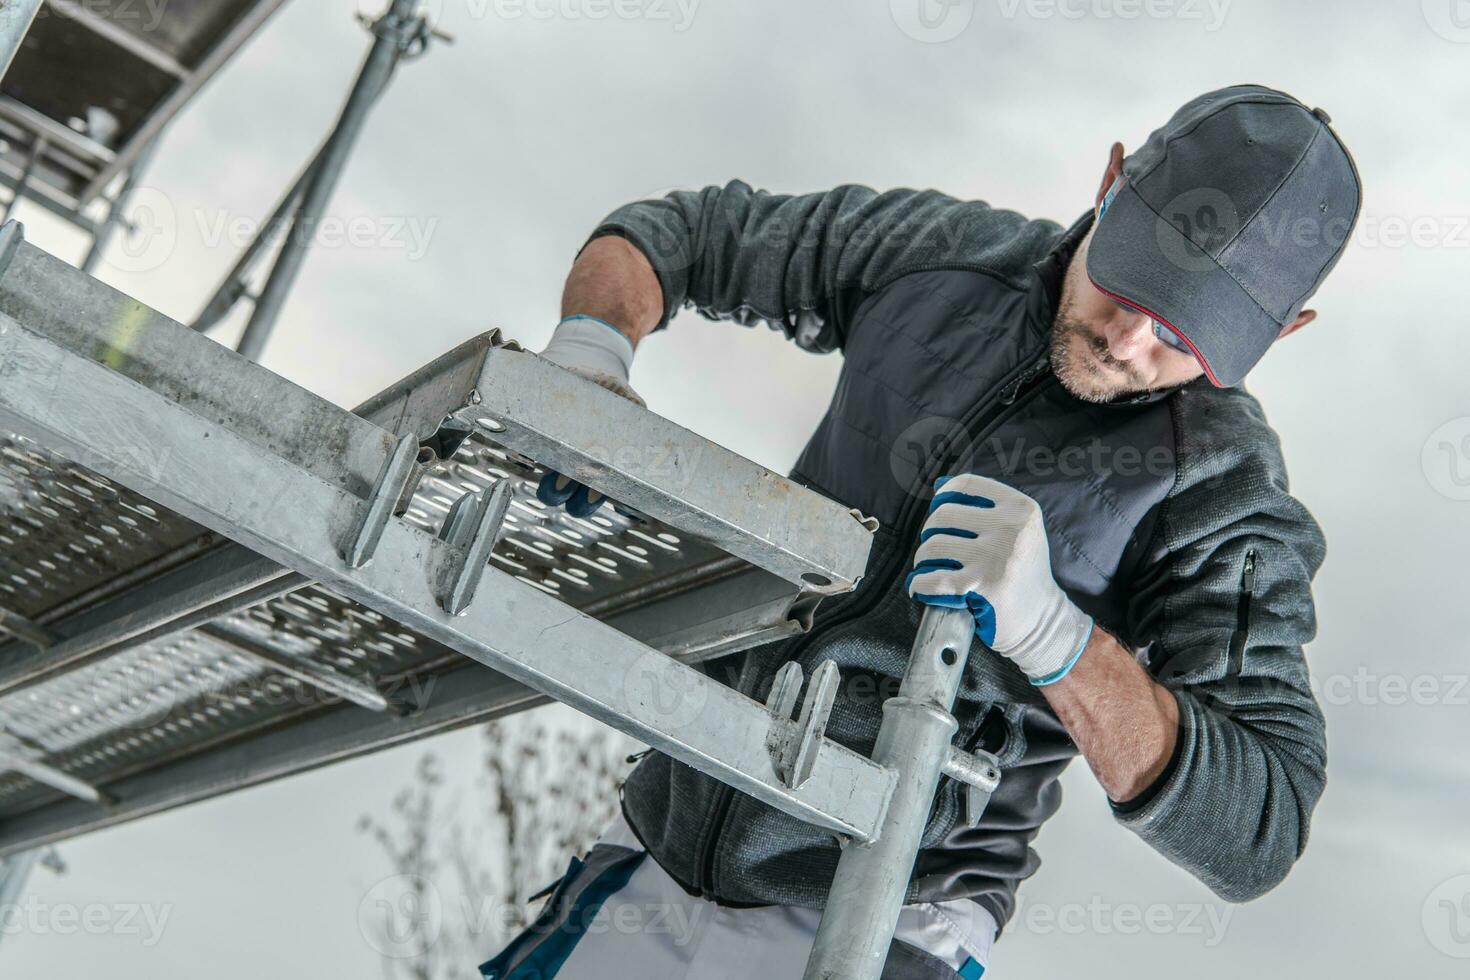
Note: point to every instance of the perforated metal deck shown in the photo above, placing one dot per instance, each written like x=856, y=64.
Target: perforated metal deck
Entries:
x=70, y=536
x=77, y=549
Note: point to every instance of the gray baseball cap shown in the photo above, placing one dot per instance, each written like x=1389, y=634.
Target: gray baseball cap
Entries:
x=1226, y=221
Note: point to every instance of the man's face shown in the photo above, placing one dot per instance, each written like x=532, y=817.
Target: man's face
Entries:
x=1101, y=350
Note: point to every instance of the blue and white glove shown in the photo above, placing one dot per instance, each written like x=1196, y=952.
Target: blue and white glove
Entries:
x=984, y=548
x=596, y=350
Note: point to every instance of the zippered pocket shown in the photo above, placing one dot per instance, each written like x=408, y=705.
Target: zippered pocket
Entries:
x=1238, y=639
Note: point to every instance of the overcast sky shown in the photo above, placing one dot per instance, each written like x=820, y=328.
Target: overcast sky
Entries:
x=495, y=156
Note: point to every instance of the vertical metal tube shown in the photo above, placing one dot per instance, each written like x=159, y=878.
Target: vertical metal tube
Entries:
x=14, y=871
x=392, y=34
x=233, y=287
x=872, y=879
x=102, y=237
x=15, y=20
x=38, y=149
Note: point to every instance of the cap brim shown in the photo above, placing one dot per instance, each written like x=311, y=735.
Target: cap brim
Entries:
x=1142, y=259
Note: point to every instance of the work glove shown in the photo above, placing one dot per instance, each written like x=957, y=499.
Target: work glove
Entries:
x=596, y=350
x=984, y=548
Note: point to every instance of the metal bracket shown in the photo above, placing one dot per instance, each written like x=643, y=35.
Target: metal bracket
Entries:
x=391, y=484
x=472, y=527
x=794, y=746
x=980, y=774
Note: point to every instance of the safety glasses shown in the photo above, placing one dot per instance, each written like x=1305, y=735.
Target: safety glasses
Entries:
x=1167, y=337
x=1170, y=339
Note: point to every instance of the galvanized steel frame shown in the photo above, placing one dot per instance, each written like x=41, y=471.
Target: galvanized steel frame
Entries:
x=98, y=389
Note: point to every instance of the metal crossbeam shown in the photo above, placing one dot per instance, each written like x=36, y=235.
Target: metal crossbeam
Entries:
x=302, y=671
x=228, y=442
x=17, y=625
x=77, y=144
x=17, y=757
x=133, y=43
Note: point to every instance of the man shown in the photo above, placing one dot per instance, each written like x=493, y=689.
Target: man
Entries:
x=1120, y=525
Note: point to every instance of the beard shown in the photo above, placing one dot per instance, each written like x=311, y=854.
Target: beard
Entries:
x=1084, y=365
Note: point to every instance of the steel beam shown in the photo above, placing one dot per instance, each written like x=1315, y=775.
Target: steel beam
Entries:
x=715, y=609
x=48, y=198
x=15, y=21
x=97, y=391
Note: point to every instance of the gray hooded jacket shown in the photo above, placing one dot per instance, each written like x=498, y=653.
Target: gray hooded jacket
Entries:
x=1168, y=515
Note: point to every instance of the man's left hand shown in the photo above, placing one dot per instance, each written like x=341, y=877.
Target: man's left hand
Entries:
x=984, y=548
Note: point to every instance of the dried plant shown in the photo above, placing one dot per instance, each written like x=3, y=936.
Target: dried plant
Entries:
x=465, y=871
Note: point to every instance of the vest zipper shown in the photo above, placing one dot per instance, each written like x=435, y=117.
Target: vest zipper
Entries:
x=985, y=415
x=1238, y=639
x=1012, y=391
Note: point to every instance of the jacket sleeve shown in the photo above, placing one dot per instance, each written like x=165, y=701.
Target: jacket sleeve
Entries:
x=1225, y=602
x=802, y=263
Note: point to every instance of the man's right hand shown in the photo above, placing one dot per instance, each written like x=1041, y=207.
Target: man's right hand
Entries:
x=596, y=350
